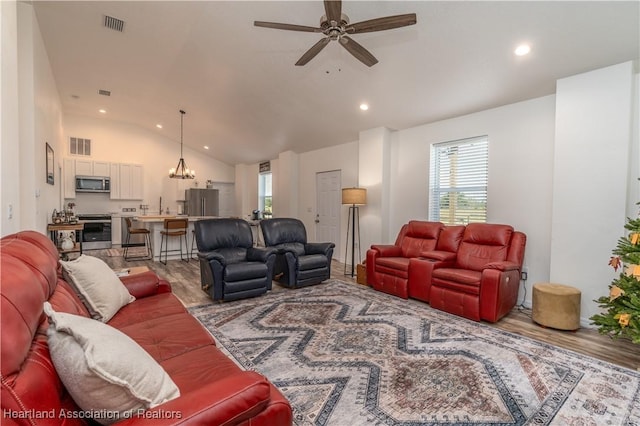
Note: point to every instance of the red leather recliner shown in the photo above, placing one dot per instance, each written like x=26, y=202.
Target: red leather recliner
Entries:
x=482, y=282
x=388, y=265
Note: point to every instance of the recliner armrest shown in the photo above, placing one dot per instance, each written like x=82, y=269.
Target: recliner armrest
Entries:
x=387, y=250
x=318, y=248
x=232, y=400
x=442, y=256
x=212, y=255
x=260, y=254
x=504, y=265
x=145, y=284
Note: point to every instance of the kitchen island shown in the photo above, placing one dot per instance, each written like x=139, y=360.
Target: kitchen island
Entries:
x=155, y=224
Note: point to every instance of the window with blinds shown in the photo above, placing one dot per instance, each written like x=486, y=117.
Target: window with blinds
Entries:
x=459, y=176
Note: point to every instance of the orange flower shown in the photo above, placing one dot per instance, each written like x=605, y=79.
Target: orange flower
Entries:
x=615, y=292
x=623, y=319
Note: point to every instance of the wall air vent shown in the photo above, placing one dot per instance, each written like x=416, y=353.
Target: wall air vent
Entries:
x=104, y=92
x=113, y=23
x=80, y=146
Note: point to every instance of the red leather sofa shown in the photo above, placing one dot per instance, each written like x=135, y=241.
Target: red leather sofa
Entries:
x=471, y=271
x=213, y=390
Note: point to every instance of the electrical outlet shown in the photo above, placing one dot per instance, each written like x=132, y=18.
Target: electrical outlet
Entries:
x=524, y=274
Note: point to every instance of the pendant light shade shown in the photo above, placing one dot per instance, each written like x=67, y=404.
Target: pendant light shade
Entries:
x=181, y=171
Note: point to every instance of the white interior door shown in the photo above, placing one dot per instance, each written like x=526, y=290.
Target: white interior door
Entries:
x=328, y=202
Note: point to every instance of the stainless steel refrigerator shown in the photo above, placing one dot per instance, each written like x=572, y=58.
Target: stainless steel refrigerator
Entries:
x=202, y=202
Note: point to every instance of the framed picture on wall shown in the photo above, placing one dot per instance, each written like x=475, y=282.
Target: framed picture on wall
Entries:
x=50, y=164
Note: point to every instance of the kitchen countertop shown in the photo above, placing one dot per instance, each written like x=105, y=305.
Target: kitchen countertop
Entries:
x=161, y=218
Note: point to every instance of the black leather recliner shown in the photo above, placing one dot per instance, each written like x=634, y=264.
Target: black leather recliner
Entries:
x=298, y=263
x=230, y=267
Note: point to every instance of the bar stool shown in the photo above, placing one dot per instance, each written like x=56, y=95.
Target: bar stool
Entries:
x=173, y=228
x=193, y=245
x=147, y=241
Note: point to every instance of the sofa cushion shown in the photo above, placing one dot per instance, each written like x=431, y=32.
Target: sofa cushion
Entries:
x=312, y=261
x=392, y=264
x=245, y=271
x=420, y=236
x=147, y=308
x=167, y=336
x=463, y=276
x=104, y=370
x=97, y=285
x=483, y=243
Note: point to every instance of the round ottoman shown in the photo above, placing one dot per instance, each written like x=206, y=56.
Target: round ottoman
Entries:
x=556, y=306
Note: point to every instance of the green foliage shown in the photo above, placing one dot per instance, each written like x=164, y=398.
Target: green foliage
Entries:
x=621, y=309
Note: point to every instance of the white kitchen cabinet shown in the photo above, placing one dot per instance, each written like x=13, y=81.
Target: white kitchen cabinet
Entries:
x=126, y=181
x=101, y=168
x=136, y=182
x=116, y=230
x=92, y=168
x=114, y=175
x=84, y=167
x=69, y=179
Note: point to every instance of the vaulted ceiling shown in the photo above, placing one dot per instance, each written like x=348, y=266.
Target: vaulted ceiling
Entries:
x=247, y=101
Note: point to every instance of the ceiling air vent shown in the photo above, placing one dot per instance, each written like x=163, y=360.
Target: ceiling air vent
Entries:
x=104, y=92
x=113, y=23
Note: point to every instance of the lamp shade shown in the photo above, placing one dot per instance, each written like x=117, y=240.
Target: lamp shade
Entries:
x=354, y=196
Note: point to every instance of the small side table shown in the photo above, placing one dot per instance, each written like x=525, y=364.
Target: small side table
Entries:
x=556, y=306
x=54, y=228
x=132, y=270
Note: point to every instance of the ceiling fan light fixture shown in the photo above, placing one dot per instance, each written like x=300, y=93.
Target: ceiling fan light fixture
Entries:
x=364, y=106
x=181, y=171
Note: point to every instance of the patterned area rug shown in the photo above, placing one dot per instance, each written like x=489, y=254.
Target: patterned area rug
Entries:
x=348, y=355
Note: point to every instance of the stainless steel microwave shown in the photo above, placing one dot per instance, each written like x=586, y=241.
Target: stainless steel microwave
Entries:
x=93, y=184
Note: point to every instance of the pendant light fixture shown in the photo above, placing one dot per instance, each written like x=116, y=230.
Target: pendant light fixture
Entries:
x=181, y=171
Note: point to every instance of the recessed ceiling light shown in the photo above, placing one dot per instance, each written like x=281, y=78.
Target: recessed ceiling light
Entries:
x=102, y=111
x=364, y=107
x=522, y=50
x=159, y=126
x=206, y=147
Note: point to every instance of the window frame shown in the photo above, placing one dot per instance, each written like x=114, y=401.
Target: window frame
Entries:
x=265, y=197
x=470, y=174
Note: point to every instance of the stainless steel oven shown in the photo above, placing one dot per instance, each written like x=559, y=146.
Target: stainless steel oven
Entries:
x=96, y=233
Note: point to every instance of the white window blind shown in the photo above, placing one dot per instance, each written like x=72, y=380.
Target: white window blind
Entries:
x=459, y=175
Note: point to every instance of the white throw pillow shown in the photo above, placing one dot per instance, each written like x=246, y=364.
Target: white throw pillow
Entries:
x=106, y=373
x=97, y=285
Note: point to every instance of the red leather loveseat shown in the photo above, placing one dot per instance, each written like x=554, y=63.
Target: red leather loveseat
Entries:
x=471, y=271
x=213, y=390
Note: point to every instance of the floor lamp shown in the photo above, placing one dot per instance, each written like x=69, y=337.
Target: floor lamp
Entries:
x=354, y=197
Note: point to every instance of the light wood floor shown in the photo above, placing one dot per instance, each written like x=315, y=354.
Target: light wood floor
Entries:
x=185, y=280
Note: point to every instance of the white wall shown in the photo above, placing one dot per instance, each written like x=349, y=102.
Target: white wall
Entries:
x=520, y=172
x=592, y=157
x=31, y=117
x=9, y=158
x=341, y=157
x=125, y=143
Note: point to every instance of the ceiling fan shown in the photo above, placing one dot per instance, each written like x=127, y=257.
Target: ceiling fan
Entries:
x=335, y=26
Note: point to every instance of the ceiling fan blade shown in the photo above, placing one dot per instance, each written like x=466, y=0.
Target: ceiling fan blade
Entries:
x=311, y=53
x=381, y=24
x=333, y=10
x=289, y=27
x=360, y=53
